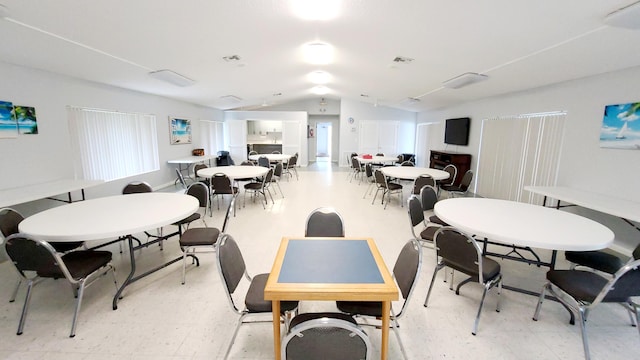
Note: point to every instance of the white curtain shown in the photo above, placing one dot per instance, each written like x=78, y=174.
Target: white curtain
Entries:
x=111, y=145
x=212, y=136
x=519, y=151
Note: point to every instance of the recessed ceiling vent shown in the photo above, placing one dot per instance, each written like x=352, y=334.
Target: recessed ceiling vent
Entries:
x=231, y=58
x=402, y=60
x=231, y=98
x=411, y=100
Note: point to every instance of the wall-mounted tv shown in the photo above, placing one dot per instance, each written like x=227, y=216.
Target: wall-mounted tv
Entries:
x=456, y=131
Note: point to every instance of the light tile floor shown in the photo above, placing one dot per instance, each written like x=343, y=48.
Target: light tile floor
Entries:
x=161, y=319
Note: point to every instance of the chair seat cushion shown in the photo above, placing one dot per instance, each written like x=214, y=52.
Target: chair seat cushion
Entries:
x=490, y=268
x=369, y=308
x=255, y=301
x=436, y=220
x=199, y=236
x=451, y=188
x=253, y=186
x=581, y=285
x=300, y=318
x=598, y=260
x=393, y=186
x=427, y=233
x=80, y=264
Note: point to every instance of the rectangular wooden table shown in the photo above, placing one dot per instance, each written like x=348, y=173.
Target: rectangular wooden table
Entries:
x=330, y=269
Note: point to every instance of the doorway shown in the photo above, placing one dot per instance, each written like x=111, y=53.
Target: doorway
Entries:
x=323, y=142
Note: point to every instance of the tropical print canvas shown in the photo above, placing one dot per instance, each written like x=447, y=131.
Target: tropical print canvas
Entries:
x=180, y=131
x=26, y=118
x=620, y=126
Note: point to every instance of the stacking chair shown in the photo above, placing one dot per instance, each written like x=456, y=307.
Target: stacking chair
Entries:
x=405, y=272
x=198, y=167
x=453, y=172
x=356, y=168
x=261, y=187
x=371, y=180
x=263, y=161
x=320, y=336
x=462, y=253
x=200, y=239
x=324, y=222
x=407, y=163
x=428, y=199
x=422, y=180
x=36, y=260
x=291, y=166
x=581, y=291
x=232, y=270
x=387, y=188
x=137, y=187
x=416, y=218
x=599, y=260
x=252, y=152
x=462, y=188
x=277, y=175
x=221, y=185
x=9, y=221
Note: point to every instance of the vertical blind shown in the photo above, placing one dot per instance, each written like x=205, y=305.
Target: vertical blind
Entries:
x=212, y=136
x=519, y=151
x=111, y=145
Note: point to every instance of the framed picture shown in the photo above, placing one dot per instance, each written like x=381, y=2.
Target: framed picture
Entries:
x=620, y=126
x=179, y=130
x=26, y=118
x=8, y=123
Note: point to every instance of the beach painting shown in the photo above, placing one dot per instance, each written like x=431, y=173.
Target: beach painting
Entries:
x=621, y=127
x=8, y=124
x=180, y=130
x=26, y=118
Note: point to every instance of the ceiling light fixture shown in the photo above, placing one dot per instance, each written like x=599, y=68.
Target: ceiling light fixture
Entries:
x=464, y=80
x=172, y=77
x=319, y=77
x=316, y=9
x=320, y=90
x=318, y=53
x=626, y=17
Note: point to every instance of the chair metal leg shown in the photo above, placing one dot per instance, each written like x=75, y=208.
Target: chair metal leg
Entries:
x=184, y=265
x=433, y=279
x=78, y=304
x=15, y=291
x=540, y=300
x=484, y=294
x=233, y=337
x=394, y=327
x=499, y=293
x=25, y=307
x=583, y=330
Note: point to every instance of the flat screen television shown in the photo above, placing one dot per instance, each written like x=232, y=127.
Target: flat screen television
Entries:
x=456, y=131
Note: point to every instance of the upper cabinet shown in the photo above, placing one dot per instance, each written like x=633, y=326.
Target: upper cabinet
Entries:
x=264, y=131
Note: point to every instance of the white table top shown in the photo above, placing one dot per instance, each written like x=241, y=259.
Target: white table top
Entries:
x=377, y=159
x=412, y=172
x=191, y=159
x=523, y=224
x=235, y=171
x=625, y=209
x=271, y=157
x=23, y=194
x=109, y=217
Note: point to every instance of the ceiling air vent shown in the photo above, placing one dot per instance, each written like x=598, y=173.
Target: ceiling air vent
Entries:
x=231, y=98
x=402, y=60
x=231, y=58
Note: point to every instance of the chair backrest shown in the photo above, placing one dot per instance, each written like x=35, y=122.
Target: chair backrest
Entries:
x=453, y=172
x=406, y=270
x=466, y=180
x=407, y=163
x=324, y=222
x=624, y=284
x=380, y=179
x=138, y=187
x=459, y=249
x=277, y=170
x=263, y=161
x=253, y=152
x=29, y=254
x=326, y=338
x=355, y=164
x=368, y=170
x=268, y=177
x=231, y=264
x=379, y=154
x=221, y=184
x=199, y=191
x=428, y=197
x=422, y=180
x=198, y=167
x=276, y=152
x=293, y=161
x=414, y=208
x=9, y=220
x=247, y=163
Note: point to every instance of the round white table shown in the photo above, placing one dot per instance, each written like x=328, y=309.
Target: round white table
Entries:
x=377, y=159
x=108, y=217
x=271, y=157
x=235, y=171
x=521, y=224
x=412, y=172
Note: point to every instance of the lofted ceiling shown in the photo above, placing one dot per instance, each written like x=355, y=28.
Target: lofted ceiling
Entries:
x=519, y=44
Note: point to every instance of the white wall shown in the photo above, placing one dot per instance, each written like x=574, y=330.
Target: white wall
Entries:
x=31, y=159
x=364, y=111
x=583, y=164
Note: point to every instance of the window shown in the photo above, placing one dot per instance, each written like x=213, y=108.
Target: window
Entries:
x=519, y=151
x=111, y=145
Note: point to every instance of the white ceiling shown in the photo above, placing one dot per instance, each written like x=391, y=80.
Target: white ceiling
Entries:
x=519, y=44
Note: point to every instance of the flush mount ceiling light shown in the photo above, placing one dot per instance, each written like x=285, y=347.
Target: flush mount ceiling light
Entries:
x=320, y=90
x=318, y=53
x=316, y=9
x=172, y=77
x=626, y=17
x=319, y=77
x=464, y=80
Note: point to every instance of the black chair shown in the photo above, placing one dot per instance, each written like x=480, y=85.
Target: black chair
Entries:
x=453, y=172
x=138, y=187
x=581, y=291
x=324, y=222
x=232, y=270
x=428, y=199
x=320, y=336
x=462, y=188
x=221, y=185
x=599, y=260
x=263, y=161
x=407, y=163
x=356, y=168
x=387, y=187
x=277, y=176
x=462, y=253
x=198, y=167
x=80, y=268
x=416, y=218
x=291, y=169
x=261, y=187
x=9, y=221
x=200, y=239
x=405, y=272
x=422, y=180
x=371, y=180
